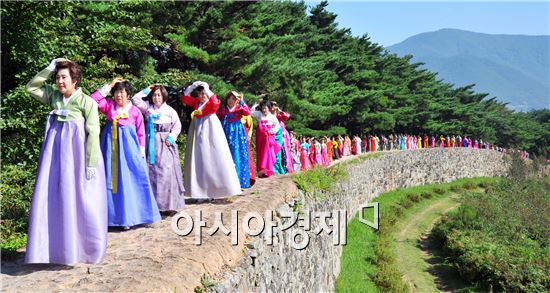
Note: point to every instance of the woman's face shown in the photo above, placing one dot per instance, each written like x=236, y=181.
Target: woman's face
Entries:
x=265, y=110
x=231, y=101
x=157, y=98
x=65, y=83
x=203, y=97
x=121, y=97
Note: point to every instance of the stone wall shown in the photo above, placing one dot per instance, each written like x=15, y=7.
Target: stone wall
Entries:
x=281, y=268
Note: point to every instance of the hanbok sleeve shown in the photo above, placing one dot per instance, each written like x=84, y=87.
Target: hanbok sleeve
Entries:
x=189, y=101
x=283, y=116
x=220, y=113
x=175, y=130
x=140, y=128
x=211, y=106
x=38, y=89
x=254, y=112
x=102, y=103
x=92, y=132
x=276, y=124
x=138, y=101
x=243, y=109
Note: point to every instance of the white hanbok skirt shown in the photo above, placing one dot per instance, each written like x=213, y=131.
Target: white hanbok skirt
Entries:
x=209, y=171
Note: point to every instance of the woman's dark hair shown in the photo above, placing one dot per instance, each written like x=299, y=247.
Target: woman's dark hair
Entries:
x=163, y=92
x=122, y=85
x=264, y=103
x=197, y=90
x=74, y=70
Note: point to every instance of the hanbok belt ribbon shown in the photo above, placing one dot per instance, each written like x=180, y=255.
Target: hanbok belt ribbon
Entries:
x=60, y=112
x=151, y=136
x=114, y=152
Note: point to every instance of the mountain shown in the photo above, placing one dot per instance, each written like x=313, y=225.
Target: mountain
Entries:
x=514, y=68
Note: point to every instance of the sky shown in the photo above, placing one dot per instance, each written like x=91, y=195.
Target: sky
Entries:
x=391, y=22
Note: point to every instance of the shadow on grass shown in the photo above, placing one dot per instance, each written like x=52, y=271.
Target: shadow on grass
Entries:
x=447, y=277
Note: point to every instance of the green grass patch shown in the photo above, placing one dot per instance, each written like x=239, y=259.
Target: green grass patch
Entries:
x=370, y=265
x=319, y=178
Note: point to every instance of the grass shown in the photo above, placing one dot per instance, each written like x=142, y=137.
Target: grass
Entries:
x=319, y=178
x=359, y=269
x=413, y=262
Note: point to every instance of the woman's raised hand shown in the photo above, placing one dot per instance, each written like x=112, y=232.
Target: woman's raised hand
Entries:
x=53, y=63
x=116, y=80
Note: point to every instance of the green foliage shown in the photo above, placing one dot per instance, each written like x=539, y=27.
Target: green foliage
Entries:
x=501, y=238
x=331, y=82
x=319, y=178
x=16, y=189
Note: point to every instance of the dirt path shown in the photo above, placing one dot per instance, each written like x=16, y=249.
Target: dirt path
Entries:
x=154, y=259
x=421, y=269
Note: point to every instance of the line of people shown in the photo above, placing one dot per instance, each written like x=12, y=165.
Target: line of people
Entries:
x=131, y=174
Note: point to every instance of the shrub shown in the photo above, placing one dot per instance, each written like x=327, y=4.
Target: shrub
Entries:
x=413, y=197
x=439, y=190
x=456, y=188
x=16, y=189
x=469, y=185
x=406, y=203
x=498, y=240
x=319, y=178
x=426, y=194
x=397, y=210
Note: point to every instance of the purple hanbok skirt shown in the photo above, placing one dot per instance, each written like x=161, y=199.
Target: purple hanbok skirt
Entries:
x=165, y=174
x=68, y=217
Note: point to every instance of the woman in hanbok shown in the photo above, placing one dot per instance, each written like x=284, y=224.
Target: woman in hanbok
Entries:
x=129, y=195
x=312, y=152
x=163, y=159
x=209, y=171
x=304, y=155
x=341, y=146
x=347, y=146
x=465, y=142
x=447, y=142
x=266, y=145
x=353, y=147
x=441, y=141
x=330, y=149
x=358, y=144
x=248, y=124
x=324, y=157
x=68, y=215
x=419, y=142
x=230, y=115
x=286, y=158
x=426, y=141
x=295, y=150
x=318, y=153
x=335, y=148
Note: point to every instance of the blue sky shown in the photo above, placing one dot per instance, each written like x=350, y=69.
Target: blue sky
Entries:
x=391, y=22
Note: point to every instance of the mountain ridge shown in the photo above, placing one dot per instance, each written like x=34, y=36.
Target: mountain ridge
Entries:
x=519, y=64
